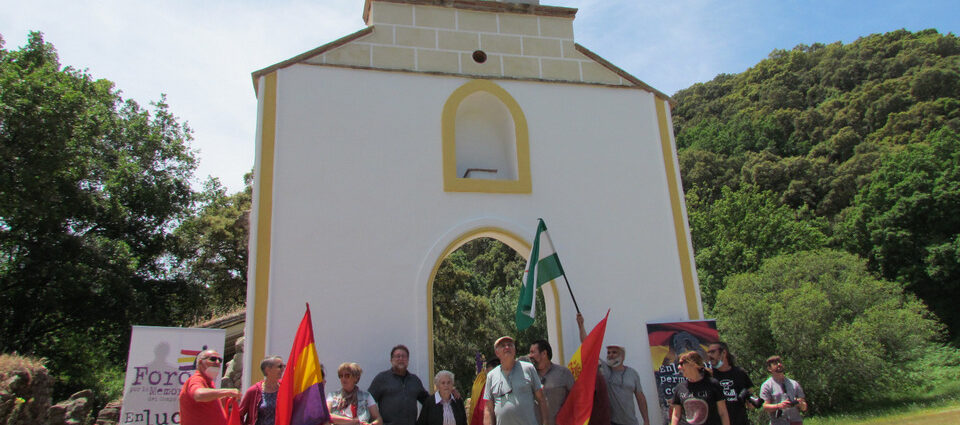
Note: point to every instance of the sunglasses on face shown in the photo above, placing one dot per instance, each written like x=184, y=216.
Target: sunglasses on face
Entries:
x=681, y=362
x=214, y=359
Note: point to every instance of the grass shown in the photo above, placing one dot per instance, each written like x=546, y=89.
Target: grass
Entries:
x=935, y=406
x=934, y=401
x=931, y=416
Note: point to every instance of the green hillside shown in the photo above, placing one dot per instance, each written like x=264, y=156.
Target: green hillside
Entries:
x=852, y=147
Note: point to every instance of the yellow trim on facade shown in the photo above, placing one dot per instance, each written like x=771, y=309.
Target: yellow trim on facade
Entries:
x=513, y=241
x=268, y=141
x=676, y=205
x=452, y=182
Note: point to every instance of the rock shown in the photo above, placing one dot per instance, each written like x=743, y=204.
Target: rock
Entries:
x=72, y=411
x=110, y=414
x=25, y=390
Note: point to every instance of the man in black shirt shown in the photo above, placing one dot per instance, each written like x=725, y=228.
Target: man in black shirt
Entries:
x=734, y=380
x=397, y=391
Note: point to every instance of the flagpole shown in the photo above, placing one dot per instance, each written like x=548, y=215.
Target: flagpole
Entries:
x=571, y=293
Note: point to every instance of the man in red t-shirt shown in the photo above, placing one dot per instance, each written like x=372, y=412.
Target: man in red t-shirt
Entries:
x=199, y=400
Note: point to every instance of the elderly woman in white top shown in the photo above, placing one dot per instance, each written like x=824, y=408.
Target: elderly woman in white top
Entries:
x=443, y=408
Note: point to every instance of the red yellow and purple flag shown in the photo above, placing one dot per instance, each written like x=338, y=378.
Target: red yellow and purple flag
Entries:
x=476, y=395
x=579, y=404
x=301, y=400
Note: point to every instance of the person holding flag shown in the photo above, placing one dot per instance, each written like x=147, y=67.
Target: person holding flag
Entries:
x=623, y=386
x=581, y=407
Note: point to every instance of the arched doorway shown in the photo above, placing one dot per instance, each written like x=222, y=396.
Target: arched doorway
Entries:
x=471, y=338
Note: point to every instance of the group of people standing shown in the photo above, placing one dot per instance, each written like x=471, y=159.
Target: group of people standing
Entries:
x=391, y=399
x=515, y=393
x=720, y=395
x=532, y=392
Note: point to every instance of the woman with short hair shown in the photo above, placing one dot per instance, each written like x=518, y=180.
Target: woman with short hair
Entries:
x=351, y=405
x=259, y=403
x=443, y=408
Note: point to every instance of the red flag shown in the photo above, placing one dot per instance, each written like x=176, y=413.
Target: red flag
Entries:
x=479, y=385
x=579, y=404
x=234, y=416
x=300, y=400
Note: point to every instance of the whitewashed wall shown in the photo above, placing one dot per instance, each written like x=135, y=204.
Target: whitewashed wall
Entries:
x=360, y=215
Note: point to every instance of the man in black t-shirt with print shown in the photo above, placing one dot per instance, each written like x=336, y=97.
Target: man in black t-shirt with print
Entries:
x=734, y=381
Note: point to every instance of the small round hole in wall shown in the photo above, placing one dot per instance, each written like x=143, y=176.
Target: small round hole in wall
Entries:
x=479, y=56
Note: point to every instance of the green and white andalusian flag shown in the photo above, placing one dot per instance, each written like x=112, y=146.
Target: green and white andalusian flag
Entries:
x=542, y=267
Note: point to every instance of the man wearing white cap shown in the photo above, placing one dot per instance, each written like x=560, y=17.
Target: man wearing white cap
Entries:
x=623, y=385
x=512, y=388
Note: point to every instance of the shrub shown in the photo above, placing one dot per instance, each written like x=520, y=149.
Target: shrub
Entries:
x=845, y=335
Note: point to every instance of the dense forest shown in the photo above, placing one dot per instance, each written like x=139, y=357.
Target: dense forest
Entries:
x=853, y=147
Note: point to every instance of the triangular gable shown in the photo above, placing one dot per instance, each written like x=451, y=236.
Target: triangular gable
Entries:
x=469, y=38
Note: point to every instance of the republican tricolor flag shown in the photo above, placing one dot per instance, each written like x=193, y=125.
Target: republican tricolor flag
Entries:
x=301, y=400
x=579, y=404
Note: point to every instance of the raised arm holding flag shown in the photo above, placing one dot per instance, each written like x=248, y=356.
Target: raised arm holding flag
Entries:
x=577, y=408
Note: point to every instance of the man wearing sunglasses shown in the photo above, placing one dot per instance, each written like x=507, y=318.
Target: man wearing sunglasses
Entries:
x=200, y=400
x=784, y=398
x=735, y=381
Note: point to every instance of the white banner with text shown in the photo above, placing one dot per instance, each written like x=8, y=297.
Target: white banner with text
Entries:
x=160, y=361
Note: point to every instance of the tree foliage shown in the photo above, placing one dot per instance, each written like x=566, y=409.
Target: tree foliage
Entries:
x=474, y=301
x=90, y=189
x=212, y=245
x=827, y=130
x=845, y=335
x=905, y=220
x=742, y=228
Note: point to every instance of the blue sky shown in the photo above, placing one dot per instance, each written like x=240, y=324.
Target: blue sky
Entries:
x=201, y=52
